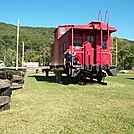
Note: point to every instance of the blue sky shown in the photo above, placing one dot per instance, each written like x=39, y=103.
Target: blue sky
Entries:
x=51, y=13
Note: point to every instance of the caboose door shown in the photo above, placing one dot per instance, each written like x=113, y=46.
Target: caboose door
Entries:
x=87, y=54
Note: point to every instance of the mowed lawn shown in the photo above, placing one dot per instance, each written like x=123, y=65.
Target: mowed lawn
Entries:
x=45, y=107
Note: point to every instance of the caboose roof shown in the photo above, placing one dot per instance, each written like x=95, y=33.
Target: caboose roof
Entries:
x=92, y=25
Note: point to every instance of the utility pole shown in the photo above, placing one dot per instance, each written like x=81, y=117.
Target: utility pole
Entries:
x=18, y=28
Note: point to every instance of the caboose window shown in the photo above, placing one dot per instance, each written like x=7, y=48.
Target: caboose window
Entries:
x=90, y=39
x=104, y=43
x=77, y=43
x=62, y=30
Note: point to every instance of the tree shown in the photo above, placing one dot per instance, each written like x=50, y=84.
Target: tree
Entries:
x=9, y=57
x=125, y=53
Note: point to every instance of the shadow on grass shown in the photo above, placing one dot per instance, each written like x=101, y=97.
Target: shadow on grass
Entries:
x=130, y=78
x=64, y=79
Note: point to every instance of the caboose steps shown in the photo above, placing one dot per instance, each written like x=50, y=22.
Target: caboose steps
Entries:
x=112, y=71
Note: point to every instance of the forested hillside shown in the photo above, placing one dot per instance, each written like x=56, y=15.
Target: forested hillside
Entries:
x=37, y=41
x=37, y=46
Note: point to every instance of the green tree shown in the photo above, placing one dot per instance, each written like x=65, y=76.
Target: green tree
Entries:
x=125, y=53
x=9, y=57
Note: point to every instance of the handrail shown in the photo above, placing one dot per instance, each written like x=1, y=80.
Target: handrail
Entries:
x=107, y=14
x=100, y=16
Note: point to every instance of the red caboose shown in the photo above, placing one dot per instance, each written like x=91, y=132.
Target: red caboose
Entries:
x=90, y=45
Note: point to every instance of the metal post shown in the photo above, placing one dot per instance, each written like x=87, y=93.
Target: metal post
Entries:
x=100, y=16
x=108, y=36
x=72, y=43
x=22, y=54
x=101, y=42
x=116, y=49
x=17, y=44
x=106, y=13
x=101, y=32
x=84, y=57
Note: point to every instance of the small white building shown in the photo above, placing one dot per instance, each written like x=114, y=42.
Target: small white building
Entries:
x=31, y=66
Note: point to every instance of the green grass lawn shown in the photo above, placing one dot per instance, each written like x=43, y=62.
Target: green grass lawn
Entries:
x=45, y=107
